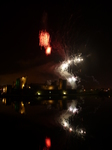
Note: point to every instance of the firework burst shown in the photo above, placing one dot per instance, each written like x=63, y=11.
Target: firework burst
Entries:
x=63, y=70
x=44, y=41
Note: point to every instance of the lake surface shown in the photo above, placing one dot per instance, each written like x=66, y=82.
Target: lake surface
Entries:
x=77, y=123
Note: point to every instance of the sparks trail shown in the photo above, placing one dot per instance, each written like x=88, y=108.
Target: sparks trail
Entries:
x=63, y=70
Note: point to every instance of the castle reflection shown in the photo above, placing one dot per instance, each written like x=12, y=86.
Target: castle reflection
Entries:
x=20, y=104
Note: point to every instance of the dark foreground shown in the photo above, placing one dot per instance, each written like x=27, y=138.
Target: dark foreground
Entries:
x=41, y=120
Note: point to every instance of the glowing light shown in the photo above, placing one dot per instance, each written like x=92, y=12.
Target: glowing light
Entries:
x=74, y=110
x=22, y=111
x=71, y=109
x=64, y=66
x=23, y=82
x=50, y=101
x=48, y=142
x=65, y=124
x=23, y=86
x=22, y=108
x=69, y=61
x=70, y=79
x=3, y=100
x=48, y=50
x=64, y=92
x=73, y=78
x=38, y=93
x=70, y=129
x=22, y=104
x=5, y=89
x=23, y=78
x=81, y=131
x=78, y=59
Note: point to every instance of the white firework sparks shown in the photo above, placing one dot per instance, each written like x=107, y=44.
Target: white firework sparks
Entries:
x=63, y=70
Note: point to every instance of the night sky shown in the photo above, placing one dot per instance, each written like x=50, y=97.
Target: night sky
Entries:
x=74, y=27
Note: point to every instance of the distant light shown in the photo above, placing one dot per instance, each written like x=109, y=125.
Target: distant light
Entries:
x=81, y=131
x=29, y=87
x=22, y=104
x=38, y=93
x=50, y=101
x=3, y=100
x=70, y=129
x=28, y=102
x=64, y=92
x=49, y=91
x=4, y=89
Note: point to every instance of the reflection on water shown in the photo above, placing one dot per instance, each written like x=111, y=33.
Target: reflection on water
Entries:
x=78, y=118
x=4, y=100
x=69, y=111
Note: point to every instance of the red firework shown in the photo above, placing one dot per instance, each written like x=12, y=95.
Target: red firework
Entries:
x=44, y=41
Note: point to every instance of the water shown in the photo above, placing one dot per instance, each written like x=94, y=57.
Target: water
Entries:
x=76, y=123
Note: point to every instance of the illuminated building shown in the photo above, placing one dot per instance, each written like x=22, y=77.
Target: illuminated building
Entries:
x=19, y=107
x=47, y=87
x=6, y=89
x=21, y=82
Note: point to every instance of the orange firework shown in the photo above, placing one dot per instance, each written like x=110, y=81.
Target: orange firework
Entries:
x=44, y=41
x=44, y=38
